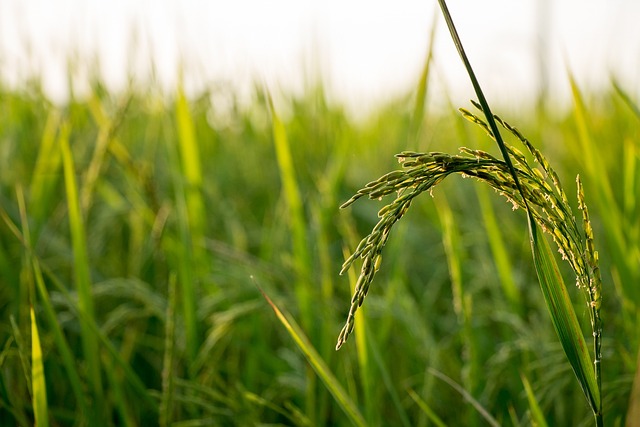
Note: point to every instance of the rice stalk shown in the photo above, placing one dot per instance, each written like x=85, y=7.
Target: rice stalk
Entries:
x=550, y=210
x=545, y=203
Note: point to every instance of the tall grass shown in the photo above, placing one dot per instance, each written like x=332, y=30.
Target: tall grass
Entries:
x=176, y=332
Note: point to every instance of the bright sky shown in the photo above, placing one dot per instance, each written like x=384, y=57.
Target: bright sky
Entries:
x=366, y=51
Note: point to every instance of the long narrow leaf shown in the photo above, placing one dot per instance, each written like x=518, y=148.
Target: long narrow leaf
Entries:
x=537, y=418
x=564, y=320
x=562, y=313
x=318, y=365
x=39, y=387
x=291, y=192
x=81, y=268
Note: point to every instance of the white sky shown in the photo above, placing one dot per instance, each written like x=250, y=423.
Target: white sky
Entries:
x=366, y=51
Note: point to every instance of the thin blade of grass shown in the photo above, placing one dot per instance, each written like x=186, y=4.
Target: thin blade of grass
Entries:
x=537, y=418
x=187, y=180
x=467, y=396
x=296, y=212
x=318, y=365
x=81, y=269
x=70, y=365
x=299, y=238
x=39, y=387
x=191, y=211
x=191, y=167
x=433, y=417
x=461, y=299
x=46, y=172
x=45, y=303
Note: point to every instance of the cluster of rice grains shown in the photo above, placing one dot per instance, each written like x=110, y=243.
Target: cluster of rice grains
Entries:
x=422, y=171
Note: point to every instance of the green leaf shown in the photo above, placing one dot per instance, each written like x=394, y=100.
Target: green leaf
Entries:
x=318, y=364
x=564, y=318
x=39, y=386
x=537, y=418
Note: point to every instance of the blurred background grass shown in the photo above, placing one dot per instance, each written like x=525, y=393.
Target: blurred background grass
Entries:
x=140, y=225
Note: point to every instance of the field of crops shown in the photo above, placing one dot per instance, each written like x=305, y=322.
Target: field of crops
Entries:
x=168, y=261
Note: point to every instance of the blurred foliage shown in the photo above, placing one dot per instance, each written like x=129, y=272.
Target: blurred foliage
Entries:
x=243, y=368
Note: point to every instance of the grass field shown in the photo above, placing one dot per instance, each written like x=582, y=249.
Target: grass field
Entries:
x=137, y=232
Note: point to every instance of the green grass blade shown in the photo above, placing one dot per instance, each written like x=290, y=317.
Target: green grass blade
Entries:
x=45, y=172
x=461, y=300
x=39, y=387
x=191, y=166
x=187, y=183
x=81, y=269
x=296, y=211
x=318, y=365
x=433, y=417
x=564, y=320
x=71, y=367
x=537, y=418
x=467, y=396
x=45, y=303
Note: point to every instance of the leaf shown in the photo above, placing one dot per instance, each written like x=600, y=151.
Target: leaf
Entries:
x=39, y=387
x=318, y=364
x=564, y=319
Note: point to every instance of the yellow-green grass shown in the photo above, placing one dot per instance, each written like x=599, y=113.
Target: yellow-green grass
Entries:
x=241, y=366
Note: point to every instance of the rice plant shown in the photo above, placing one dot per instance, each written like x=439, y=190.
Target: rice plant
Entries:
x=542, y=190
x=134, y=228
x=537, y=191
